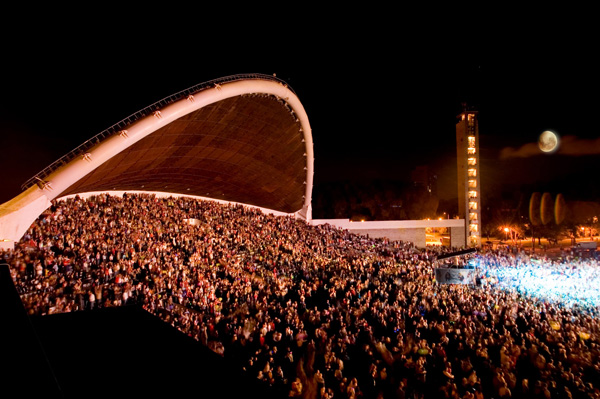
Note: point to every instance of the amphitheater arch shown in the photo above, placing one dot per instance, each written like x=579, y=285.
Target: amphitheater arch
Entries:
x=243, y=138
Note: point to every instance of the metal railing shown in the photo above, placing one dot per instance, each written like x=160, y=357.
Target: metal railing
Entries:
x=121, y=125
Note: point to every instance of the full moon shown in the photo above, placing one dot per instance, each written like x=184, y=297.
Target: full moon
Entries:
x=548, y=141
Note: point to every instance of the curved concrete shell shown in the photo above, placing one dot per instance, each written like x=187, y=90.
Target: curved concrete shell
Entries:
x=243, y=139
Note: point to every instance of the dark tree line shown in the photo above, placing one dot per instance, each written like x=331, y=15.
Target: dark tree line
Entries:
x=373, y=200
x=539, y=214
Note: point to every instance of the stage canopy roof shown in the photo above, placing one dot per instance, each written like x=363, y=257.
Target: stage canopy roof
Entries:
x=242, y=138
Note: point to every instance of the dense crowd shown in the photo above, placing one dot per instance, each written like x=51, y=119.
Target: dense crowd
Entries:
x=309, y=311
x=567, y=280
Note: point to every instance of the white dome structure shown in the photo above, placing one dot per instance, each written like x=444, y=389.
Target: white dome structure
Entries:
x=243, y=139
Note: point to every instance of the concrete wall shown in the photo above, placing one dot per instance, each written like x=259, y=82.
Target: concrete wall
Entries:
x=404, y=230
x=416, y=235
x=458, y=236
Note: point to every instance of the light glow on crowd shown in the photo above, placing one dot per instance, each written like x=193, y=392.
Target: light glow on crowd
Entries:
x=569, y=284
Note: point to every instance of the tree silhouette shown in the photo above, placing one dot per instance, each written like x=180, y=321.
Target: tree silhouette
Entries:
x=373, y=200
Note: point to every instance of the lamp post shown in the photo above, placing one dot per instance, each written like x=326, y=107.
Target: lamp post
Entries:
x=506, y=230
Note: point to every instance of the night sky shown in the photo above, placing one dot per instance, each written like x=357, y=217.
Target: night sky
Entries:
x=380, y=101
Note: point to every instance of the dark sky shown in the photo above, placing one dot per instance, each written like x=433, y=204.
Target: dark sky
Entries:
x=380, y=100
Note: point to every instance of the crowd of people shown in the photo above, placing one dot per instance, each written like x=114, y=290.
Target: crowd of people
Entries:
x=570, y=280
x=308, y=311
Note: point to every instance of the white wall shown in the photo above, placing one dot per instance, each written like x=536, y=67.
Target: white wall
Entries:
x=403, y=230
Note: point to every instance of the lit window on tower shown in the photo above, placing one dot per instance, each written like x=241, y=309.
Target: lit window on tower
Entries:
x=467, y=136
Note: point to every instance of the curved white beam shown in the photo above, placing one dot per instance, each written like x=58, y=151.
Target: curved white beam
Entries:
x=17, y=214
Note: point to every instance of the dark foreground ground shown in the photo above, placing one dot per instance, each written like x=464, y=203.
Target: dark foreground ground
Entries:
x=128, y=353
x=111, y=353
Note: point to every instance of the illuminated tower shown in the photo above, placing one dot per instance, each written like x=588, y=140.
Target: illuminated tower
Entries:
x=467, y=162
